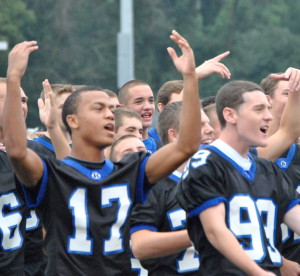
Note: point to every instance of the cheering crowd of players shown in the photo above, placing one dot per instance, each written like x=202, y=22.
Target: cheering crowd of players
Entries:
x=209, y=192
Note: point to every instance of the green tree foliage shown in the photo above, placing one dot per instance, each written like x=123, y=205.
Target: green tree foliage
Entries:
x=77, y=39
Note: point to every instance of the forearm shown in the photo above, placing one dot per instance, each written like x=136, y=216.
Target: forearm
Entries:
x=59, y=141
x=190, y=122
x=147, y=244
x=278, y=143
x=14, y=126
x=227, y=244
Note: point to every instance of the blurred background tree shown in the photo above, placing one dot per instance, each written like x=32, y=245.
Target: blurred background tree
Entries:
x=78, y=45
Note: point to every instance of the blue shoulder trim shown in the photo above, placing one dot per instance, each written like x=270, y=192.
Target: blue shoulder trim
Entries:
x=97, y=175
x=207, y=204
x=143, y=227
x=141, y=192
x=292, y=204
x=285, y=162
x=45, y=143
x=175, y=176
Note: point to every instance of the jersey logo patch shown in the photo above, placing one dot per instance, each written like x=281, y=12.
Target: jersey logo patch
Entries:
x=96, y=175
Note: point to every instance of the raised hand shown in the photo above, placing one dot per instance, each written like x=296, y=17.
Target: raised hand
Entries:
x=46, y=107
x=185, y=63
x=292, y=75
x=212, y=66
x=18, y=58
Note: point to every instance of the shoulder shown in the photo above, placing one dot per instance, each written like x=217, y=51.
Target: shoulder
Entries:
x=132, y=158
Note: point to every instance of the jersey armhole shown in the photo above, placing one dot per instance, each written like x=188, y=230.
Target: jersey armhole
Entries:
x=35, y=195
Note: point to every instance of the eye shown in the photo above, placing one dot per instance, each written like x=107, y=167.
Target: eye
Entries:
x=139, y=101
x=151, y=101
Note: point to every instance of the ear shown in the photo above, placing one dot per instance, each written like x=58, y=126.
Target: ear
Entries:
x=72, y=121
x=230, y=115
x=172, y=135
x=269, y=98
x=160, y=106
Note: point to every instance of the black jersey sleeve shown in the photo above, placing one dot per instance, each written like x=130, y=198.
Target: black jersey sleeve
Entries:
x=146, y=216
x=201, y=185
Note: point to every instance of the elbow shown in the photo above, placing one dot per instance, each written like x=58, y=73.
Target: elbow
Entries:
x=14, y=150
x=138, y=251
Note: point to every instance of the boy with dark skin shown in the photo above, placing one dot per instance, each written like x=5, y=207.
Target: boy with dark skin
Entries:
x=87, y=247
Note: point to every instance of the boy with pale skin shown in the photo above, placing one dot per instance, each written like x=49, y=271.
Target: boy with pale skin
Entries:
x=227, y=219
x=127, y=122
x=281, y=94
x=92, y=128
x=126, y=144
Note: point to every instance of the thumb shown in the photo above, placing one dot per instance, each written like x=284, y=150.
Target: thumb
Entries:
x=172, y=53
x=41, y=104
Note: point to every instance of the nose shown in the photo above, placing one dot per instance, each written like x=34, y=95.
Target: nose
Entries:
x=147, y=105
x=138, y=134
x=268, y=115
x=109, y=114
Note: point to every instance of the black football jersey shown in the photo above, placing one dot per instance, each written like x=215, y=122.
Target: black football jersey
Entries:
x=12, y=221
x=255, y=202
x=85, y=213
x=290, y=164
x=162, y=213
x=46, y=143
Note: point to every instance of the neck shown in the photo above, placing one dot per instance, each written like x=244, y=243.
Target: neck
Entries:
x=86, y=151
x=235, y=142
x=145, y=133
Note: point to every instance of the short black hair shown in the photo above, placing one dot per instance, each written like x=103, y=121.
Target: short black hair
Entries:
x=71, y=104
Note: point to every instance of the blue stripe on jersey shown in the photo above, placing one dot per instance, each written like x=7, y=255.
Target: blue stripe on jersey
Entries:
x=284, y=163
x=207, y=204
x=92, y=174
x=175, y=176
x=141, y=192
x=249, y=175
x=44, y=143
x=143, y=227
x=292, y=204
x=34, y=202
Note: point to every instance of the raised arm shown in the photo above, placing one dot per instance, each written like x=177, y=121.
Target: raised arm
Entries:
x=289, y=129
x=26, y=163
x=48, y=118
x=171, y=156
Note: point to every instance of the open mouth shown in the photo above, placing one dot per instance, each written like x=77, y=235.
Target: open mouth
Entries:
x=110, y=127
x=146, y=115
x=264, y=129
